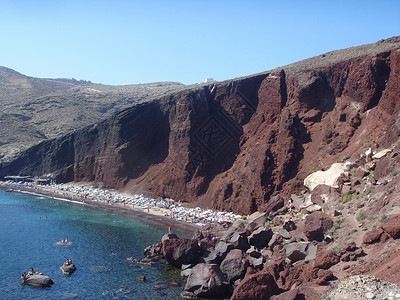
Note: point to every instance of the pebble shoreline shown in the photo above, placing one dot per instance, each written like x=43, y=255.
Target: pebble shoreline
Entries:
x=363, y=287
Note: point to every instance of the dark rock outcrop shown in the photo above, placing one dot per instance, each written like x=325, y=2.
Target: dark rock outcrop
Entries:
x=351, y=252
x=257, y=263
x=239, y=240
x=316, y=224
x=296, y=274
x=207, y=281
x=304, y=291
x=296, y=251
x=323, y=276
x=186, y=269
x=260, y=237
x=256, y=220
x=289, y=225
x=275, y=203
x=293, y=294
x=181, y=251
x=350, y=247
x=276, y=240
x=234, y=265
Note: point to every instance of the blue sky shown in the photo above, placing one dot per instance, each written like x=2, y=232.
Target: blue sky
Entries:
x=128, y=42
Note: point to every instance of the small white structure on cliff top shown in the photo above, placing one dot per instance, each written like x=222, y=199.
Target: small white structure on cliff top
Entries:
x=209, y=80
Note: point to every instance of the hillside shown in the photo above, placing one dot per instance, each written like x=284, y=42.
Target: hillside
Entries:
x=235, y=144
x=35, y=109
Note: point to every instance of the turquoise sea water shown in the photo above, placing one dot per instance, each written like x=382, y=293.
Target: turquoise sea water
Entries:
x=101, y=241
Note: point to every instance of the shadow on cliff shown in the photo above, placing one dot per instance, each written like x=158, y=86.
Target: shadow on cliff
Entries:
x=143, y=140
x=316, y=98
x=45, y=158
x=216, y=132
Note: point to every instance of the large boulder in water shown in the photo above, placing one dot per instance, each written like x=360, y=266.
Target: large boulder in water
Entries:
x=207, y=281
x=37, y=280
x=68, y=269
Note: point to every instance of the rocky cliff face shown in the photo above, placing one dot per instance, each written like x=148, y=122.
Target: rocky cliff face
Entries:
x=235, y=144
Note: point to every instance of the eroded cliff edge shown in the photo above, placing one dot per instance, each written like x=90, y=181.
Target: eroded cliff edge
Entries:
x=233, y=145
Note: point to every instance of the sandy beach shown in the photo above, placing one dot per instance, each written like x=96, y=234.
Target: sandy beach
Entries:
x=177, y=218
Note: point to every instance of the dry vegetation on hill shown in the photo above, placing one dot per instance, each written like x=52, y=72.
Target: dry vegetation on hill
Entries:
x=35, y=109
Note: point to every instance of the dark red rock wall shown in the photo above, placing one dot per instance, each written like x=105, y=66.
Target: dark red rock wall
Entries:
x=232, y=145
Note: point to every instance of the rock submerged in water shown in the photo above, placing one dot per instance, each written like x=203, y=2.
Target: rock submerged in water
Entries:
x=38, y=280
x=70, y=296
x=142, y=278
x=100, y=269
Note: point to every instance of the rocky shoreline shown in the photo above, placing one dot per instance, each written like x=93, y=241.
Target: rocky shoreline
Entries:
x=314, y=249
x=303, y=250
x=263, y=258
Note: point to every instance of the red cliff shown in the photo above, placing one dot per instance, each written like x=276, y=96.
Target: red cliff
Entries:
x=233, y=145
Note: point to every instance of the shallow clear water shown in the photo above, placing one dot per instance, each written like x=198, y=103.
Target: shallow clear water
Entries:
x=101, y=242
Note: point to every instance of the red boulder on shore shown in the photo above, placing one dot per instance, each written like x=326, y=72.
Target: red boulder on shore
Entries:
x=392, y=227
x=326, y=259
x=372, y=236
x=261, y=285
x=316, y=224
x=181, y=251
